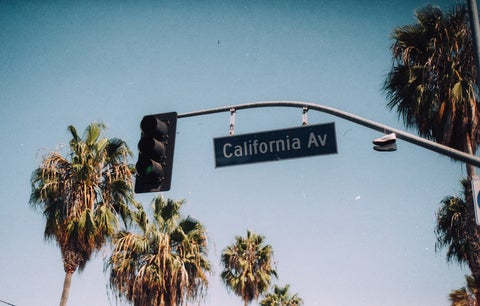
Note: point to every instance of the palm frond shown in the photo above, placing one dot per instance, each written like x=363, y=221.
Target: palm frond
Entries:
x=465, y=296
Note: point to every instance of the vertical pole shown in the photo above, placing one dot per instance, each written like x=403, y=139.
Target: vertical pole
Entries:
x=474, y=23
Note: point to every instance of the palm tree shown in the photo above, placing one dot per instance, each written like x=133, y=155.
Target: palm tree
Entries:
x=83, y=196
x=451, y=228
x=465, y=296
x=163, y=263
x=248, y=266
x=281, y=297
x=432, y=81
x=432, y=85
x=451, y=234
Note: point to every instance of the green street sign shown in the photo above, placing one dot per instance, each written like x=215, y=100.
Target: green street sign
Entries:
x=275, y=145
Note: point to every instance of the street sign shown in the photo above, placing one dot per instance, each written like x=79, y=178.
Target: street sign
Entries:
x=476, y=198
x=273, y=145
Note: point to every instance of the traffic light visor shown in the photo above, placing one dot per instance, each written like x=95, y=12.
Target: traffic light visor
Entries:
x=149, y=168
x=152, y=148
x=153, y=127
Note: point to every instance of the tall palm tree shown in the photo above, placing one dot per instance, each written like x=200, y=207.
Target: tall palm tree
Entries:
x=248, y=266
x=433, y=87
x=83, y=196
x=281, y=297
x=465, y=296
x=164, y=262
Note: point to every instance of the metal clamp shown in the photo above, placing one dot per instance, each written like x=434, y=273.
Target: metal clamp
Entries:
x=304, y=116
x=232, y=121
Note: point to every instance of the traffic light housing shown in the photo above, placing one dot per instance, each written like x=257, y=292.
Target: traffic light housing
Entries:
x=155, y=157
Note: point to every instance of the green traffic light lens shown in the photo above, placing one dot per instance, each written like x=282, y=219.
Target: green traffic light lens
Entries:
x=149, y=170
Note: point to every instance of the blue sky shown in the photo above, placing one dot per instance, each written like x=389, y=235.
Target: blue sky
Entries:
x=355, y=228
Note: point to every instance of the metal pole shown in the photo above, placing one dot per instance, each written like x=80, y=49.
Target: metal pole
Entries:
x=474, y=23
x=431, y=145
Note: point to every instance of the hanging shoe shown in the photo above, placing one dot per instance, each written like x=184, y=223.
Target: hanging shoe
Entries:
x=386, y=148
x=385, y=140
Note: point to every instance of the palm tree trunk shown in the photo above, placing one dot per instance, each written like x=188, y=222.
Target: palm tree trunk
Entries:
x=66, y=288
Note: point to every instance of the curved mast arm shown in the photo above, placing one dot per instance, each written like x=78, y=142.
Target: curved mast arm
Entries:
x=419, y=141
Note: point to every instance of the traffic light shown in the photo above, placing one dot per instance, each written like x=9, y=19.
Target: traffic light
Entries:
x=155, y=158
